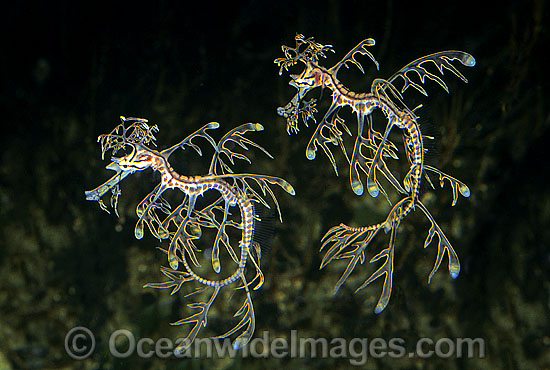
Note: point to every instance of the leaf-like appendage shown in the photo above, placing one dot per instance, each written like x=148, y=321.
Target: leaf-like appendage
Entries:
x=147, y=213
x=198, y=319
x=441, y=60
x=363, y=158
x=236, y=137
x=263, y=182
x=248, y=321
x=342, y=238
x=329, y=131
x=311, y=54
x=188, y=141
x=177, y=279
x=360, y=49
x=443, y=246
x=457, y=186
x=137, y=133
x=346, y=242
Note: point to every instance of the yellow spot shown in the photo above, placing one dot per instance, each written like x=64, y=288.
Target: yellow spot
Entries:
x=469, y=61
x=138, y=232
x=464, y=190
x=454, y=270
x=382, y=304
x=195, y=230
x=173, y=261
x=373, y=190
x=163, y=233
x=216, y=265
x=258, y=127
x=357, y=187
x=288, y=188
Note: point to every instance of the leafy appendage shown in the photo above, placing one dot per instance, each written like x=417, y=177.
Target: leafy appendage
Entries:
x=242, y=182
x=443, y=246
x=255, y=257
x=234, y=137
x=187, y=227
x=346, y=242
x=311, y=53
x=364, y=159
x=188, y=141
x=146, y=210
x=386, y=269
x=293, y=112
x=138, y=132
x=329, y=131
x=175, y=282
x=441, y=60
x=248, y=322
x=457, y=186
x=198, y=320
x=360, y=49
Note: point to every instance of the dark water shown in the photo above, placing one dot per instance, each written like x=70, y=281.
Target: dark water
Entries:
x=71, y=70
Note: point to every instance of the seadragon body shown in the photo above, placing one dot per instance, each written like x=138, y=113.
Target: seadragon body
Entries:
x=371, y=147
x=182, y=225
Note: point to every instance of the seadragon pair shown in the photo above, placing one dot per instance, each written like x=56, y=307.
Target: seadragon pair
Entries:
x=372, y=148
x=182, y=225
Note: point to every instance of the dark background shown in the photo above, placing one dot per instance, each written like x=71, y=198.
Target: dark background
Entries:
x=69, y=71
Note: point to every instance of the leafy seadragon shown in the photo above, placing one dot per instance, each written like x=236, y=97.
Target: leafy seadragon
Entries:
x=371, y=147
x=182, y=225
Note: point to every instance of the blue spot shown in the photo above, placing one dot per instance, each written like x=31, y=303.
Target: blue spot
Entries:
x=373, y=191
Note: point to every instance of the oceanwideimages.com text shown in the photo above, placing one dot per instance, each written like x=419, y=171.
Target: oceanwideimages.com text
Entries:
x=80, y=344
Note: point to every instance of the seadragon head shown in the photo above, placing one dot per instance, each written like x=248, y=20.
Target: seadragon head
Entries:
x=135, y=136
x=308, y=52
x=139, y=159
